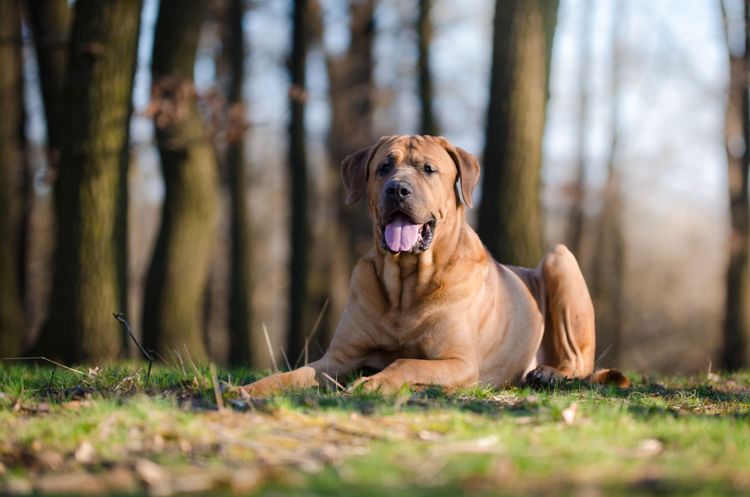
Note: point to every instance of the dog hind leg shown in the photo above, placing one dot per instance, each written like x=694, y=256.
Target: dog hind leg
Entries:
x=569, y=342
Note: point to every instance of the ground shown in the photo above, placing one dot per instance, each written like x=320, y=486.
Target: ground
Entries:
x=116, y=430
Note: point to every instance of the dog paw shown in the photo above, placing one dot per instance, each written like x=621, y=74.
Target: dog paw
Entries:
x=262, y=388
x=376, y=383
x=544, y=376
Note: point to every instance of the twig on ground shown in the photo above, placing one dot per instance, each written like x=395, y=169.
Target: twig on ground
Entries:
x=311, y=335
x=270, y=349
x=286, y=359
x=217, y=390
x=603, y=354
x=177, y=354
x=41, y=358
x=192, y=363
x=329, y=378
x=51, y=379
x=124, y=322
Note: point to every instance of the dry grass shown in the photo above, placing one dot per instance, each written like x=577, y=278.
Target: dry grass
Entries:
x=111, y=431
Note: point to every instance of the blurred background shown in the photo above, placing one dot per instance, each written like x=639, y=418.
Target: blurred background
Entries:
x=177, y=161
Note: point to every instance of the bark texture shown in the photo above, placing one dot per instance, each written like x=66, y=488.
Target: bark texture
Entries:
x=178, y=272
x=576, y=218
x=94, y=119
x=299, y=236
x=609, y=252
x=510, y=217
x=11, y=169
x=735, y=353
x=427, y=125
x=240, y=306
x=346, y=236
x=50, y=23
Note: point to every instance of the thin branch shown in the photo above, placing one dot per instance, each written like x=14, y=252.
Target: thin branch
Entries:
x=270, y=349
x=121, y=318
x=217, y=389
x=40, y=358
x=603, y=354
x=286, y=359
x=329, y=378
x=312, y=333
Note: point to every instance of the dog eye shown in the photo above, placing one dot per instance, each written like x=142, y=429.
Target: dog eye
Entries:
x=384, y=168
x=429, y=169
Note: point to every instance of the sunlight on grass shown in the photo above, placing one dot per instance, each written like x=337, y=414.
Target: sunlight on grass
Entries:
x=112, y=427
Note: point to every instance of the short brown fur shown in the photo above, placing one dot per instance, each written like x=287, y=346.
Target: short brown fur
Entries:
x=450, y=315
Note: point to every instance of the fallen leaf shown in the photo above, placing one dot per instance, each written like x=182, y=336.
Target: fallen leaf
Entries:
x=17, y=486
x=428, y=436
x=50, y=460
x=244, y=480
x=85, y=453
x=649, y=447
x=196, y=481
x=71, y=483
x=151, y=473
x=569, y=413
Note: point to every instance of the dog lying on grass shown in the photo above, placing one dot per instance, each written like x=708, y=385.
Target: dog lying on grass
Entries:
x=428, y=305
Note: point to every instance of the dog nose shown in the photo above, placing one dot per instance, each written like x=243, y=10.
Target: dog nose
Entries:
x=398, y=190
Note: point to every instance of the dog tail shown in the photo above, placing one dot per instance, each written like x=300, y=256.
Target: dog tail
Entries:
x=610, y=377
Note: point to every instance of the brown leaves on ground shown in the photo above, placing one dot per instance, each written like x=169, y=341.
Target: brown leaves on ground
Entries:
x=224, y=449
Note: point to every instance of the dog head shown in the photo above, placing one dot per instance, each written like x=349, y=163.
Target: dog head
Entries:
x=413, y=184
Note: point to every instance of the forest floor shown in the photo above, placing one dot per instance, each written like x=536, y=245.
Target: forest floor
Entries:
x=113, y=430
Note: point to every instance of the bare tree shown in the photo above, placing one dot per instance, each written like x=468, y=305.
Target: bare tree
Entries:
x=50, y=23
x=609, y=253
x=510, y=217
x=299, y=235
x=427, y=126
x=11, y=167
x=179, y=267
x=94, y=119
x=735, y=353
x=344, y=237
x=240, y=306
x=576, y=219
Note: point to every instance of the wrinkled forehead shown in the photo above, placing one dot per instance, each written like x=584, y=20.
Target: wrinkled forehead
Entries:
x=411, y=150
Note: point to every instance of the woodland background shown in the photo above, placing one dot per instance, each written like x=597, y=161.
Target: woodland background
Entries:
x=177, y=161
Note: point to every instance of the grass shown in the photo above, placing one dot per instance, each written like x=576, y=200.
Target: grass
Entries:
x=114, y=431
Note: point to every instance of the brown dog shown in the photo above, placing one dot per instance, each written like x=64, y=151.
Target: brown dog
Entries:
x=428, y=305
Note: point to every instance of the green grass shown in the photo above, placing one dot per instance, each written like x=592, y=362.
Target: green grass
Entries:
x=115, y=431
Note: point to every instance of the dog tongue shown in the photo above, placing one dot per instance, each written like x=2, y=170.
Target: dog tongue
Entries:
x=401, y=234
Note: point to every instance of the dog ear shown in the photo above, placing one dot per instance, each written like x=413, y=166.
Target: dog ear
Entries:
x=354, y=171
x=354, y=174
x=468, y=170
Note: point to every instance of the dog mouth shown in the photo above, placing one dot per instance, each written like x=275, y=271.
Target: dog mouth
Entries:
x=402, y=234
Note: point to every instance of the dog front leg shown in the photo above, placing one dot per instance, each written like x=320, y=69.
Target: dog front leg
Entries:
x=447, y=373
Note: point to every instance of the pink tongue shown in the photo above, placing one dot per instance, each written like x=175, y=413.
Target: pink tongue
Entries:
x=401, y=234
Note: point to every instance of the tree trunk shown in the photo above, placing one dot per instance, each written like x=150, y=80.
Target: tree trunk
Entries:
x=346, y=236
x=609, y=258
x=11, y=167
x=735, y=353
x=240, y=305
x=298, y=170
x=427, y=126
x=50, y=23
x=576, y=218
x=510, y=217
x=178, y=271
x=94, y=119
